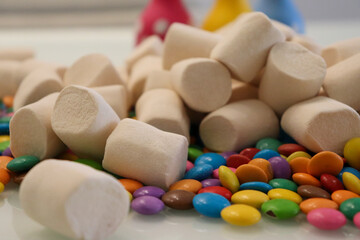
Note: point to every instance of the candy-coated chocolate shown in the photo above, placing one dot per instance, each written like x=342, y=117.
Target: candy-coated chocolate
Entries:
x=210, y=204
x=189, y=165
x=178, y=199
x=350, y=170
x=309, y=191
x=330, y=183
x=2, y=187
x=298, y=154
x=352, y=152
x=228, y=179
x=130, y=196
x=194, y=153
x=213, y=159
x=264, y=165
x=250, y=173
x=5, y=119
x=280, y=167
x=340, y=196
x=4, y=160
x=237, y=160
x=315, y=203
x=190, y=185
x=326, y=218
x=199, y=172
x=350, y=207
x=226, y=155
x=249, y=152
x=268, y=143
x=289, y=148
x=356, y=220
x=279, y=193
x=259, y=186
x=7, y=152
x=283, y=183
x=130, y=185
x=305, y=179
x=4, y=128
x=19, y=177
x=90, y=163
x=299, y=165
x=4, y=145
x=266, y=154
x=4, y=138
x=280, y=208
x=210, y=182
x=250, y=197
x=215, y=173
x=241, y=215
x=218, y=190
x=147, y=205
x=325, y=162
x=4, y=176
x=351, y=182
x=22, y=164
x=149, y=191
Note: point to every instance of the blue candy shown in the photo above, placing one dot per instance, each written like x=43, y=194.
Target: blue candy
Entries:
x=266, y=154
x=213, y=159
x=210, y=204
x=350, y=170
x=259, y=186
x=4, y=128
x=199, y=172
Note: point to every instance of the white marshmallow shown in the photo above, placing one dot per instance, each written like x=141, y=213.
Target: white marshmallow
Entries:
x=8, y=81
x=16, y=53
x=142, y=152
x=73, y=199
x=308, y=43
x=242, y=91
x=340, y=51
x=288, y=32
x=158, y=79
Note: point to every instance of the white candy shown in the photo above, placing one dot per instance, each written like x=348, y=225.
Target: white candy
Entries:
x=73, y=199
x=340, y=51
x=308, y=43
x=158, y=79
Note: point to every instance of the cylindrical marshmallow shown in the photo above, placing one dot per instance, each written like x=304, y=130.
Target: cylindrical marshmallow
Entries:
x=31, y=131
x=238, y=125
x=321, y=124
x=116, y=97
x=288, y=32
x=73, y=199
x=38, y=84
x=16, y=54
x=142, y=152
x=340, y=51
x=293, y=74
x=244, y=50
x=342, y=82
x=8, y=81
x=158, y=79
x=204, y=84
x=242, y=91
x=163, y=109
x=308, y=43
x=83, y=121
x=183, y=42
x=92, y=70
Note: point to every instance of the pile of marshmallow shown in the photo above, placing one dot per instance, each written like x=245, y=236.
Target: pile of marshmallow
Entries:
x=237, y=84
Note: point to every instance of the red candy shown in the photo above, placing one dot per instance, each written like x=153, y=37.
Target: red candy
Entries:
x=289, y=148
x=237, y=160
x=218, y=190
x=249, y=152
x=331, y=183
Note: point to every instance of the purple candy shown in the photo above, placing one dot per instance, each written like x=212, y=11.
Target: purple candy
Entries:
x=210, y=182
x=7, y=152
x=281, y=168
x=227, y=154
x=149, y=191
x=147, y=205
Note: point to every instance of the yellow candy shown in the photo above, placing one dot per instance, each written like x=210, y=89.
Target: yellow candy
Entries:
x=2, y=187
x=352, y=153
x=130, y=196
x=250, y=197
x=241, y=215
x=280, y=193
x=4, y=138
x=351, y=182
x=228, y=179
x=298, y=154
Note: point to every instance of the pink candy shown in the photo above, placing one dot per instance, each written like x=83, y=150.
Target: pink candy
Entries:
x=356, y=220
x=326, y=218
x=189, y=165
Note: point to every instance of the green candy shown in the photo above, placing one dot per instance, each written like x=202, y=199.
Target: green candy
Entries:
x=4, y=145
x=350, y=207
x=280, y=208
x=268, y=143
x=9, y=110
x=23, y=163
x=5, y=119
x=283, y=183
x=90, y=163
x=194, y=153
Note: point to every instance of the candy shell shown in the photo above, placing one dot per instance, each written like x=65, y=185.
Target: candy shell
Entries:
x=264, y=165
x=350, y=207
x=351, y=182
x=178, y=199
x=299, y=165
x=350, y=170
x=4, y=176
x=340, y=196
x=194, y=153
x=215, y=173
x=189, y=165
x=147, y=205
x=149, y=191
x=268, y=143
x=19, y=177
x=250, y=173
x=210, y=182
x=190, y=185
x=237, y=160
x=325, y=162
x=130, y=185
x=249, y=152
x=280, y=167
x=210, y=204
x=2, y=187
x=266, y=154
x=279, y=193
x=298, y=154
x=305, y=179
x=228, y=179
x=130, y=196
x=250, y=197
x=259, y=186
x=90, y=163
x=4, y=145
x=7, y=152
x=352, y=152
x=4, y=138
x=213, y=159
x=289, y=148
x=283, y=183
x=356, y=220
x=22, y=164
x=4, y=128
x=4, y=160
x=218, y=190
x=326, y=218
x=309, y=191
x=280, y=208
x=226, y=155
x=330, y=183
x=241, y=215
x=315, y=203
x=199, y=172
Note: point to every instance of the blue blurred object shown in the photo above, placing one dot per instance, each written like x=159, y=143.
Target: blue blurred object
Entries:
x=284, y=11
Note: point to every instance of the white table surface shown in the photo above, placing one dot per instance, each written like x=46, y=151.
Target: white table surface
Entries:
x=65, y=46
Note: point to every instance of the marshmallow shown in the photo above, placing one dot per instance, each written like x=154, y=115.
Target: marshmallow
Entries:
x=123, y=73
x=116, y=97
x=195, y=116
x=150, y=46
x=31, y=131
x=142, y=152
x=244, y=50
x=38, y=84
x=16, y=54
x=308, y=43
x=203, y=84
x=140, y=73
x=83, y=121
x=8, y=81
x=158, y=79
x=163, y=109
x=238, y=125
x=321, y=124
x=293, y=74
x=242, y=91
x=340, y=51
x=342, y=82
x=183, y=42
x=288, y=32
x=93, y=70
x=73, y=199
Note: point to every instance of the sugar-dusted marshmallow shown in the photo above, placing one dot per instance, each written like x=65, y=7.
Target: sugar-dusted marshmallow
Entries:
x=242, y=91
x=158, y=79
x=340, y=51
x=308, y=43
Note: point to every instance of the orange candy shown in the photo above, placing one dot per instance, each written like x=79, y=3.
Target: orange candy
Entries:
x=190, y=185
x=264, y=165
x=4, y=176
x=341, y=195
x=299, y=165
x=4, y=160
x=314, y=203
x=305, y=179
x=325, y=162
x=250, y=173
x=130, y=185
x=8, y=101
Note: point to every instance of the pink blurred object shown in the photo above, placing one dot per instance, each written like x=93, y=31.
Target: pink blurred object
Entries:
x=158, y=15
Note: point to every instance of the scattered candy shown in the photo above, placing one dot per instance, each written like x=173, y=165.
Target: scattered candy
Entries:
x=330, y=183
x=289, y=148
x=309, y=191
x=356, y=220
x=279, y=193
x=281, y=167
x=250, y=173
x=4, y=176
x=280, y=208
x=131, y=185
x=178, y=199
x=210, y=204
x=210, y=182
x=147, y=205
x=340, y=196
x=241, y=215
x=22, y=164
x=283, y=183
x=350, y=207
x=190, y=185
x=326, y=218
x=266, y=154
x=351, y=182
x=305, y=179
x=199, y=172
x=260, y=186
x=90, y=163
x=228, y=179
x=268, y=143
x=325, y=162
x=250, y=197
x=314, y=203
x=352, y=153
x=218, y=190
x=149, y=191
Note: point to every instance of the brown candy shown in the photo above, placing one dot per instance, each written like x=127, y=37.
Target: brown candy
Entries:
x=309, y=191
x=18, y=178
x=178, y=199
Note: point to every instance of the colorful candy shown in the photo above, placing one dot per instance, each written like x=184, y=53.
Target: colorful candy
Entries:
x=218, y=190
x=266, y=154
x=147, y=205
x=90, y=163
x=241, y=215
x=280, y=208
x=314, y=203
x=210, y=182
x=178, y=199
x=237, y=160
x=250, y=173
x=210, y=204
x=190, y=185
x=330, y=183
x=228, y=179
x=4, y=176
x=130, y=185
x=289, y=148
x=260, y=186
x=351, y=182
x=22, y=164
x=326, y=218
x=279, y=193
x=199, y=172
x=356, y=220
x=149, y=191
x=309, y=191
x=283, y=183
x=213, y=159
x=299, y=165
x=352, y=152
x=281, y=167
x=250, y=197
x=340, y=196
x=268, y=143
x=350, y=207
x=325, y=162
x=305, y=179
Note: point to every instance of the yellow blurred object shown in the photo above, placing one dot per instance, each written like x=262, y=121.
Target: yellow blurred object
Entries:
x=223, y=12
